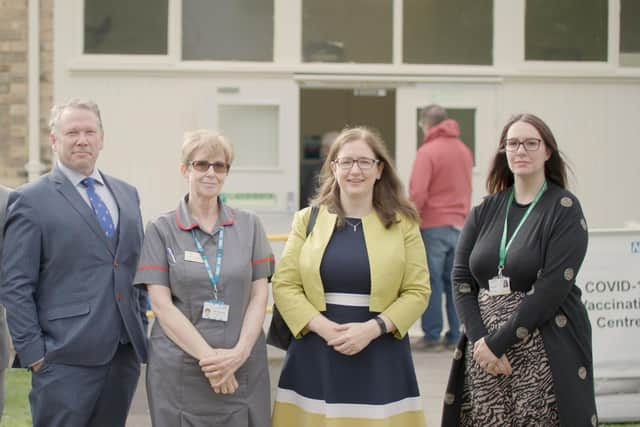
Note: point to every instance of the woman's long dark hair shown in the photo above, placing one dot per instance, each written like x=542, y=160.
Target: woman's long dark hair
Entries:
x=555, y=169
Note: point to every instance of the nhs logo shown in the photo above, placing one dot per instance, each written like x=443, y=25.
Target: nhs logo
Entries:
x=635, y=247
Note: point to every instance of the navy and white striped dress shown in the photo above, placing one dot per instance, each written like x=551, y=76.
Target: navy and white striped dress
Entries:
x=319, y=386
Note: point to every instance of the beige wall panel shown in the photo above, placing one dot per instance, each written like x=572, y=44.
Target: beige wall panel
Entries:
x=596, y=125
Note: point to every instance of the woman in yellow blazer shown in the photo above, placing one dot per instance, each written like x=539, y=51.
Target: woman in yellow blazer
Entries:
x=349, y=291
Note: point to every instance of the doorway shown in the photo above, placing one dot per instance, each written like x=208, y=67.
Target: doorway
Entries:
x=331, y=110
x=473, y=106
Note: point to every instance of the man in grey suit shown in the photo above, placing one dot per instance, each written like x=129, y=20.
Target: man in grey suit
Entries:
x=4, y=334
x=72, y=244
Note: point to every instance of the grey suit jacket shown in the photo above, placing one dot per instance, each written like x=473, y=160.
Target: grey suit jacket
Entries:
x=67, y=288
x=4, y=333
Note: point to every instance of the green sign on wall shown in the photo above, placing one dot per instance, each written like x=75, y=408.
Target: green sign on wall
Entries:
x=251, y=200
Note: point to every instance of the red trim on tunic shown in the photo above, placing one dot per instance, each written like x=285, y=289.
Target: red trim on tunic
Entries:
x=184, y=227
x=260, y=261
x=153, y=267
x=230, y=221
x=192, y=226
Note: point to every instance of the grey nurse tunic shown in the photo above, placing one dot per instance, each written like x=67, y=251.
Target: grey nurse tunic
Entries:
x=179, y=394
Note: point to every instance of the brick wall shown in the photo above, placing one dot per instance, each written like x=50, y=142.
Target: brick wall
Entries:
x=14, y=130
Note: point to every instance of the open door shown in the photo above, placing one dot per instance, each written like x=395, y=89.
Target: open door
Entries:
x=331, y=110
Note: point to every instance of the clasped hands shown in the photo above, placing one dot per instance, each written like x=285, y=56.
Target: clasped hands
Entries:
x=350, y=338
x=483, y=355
x=220, y=366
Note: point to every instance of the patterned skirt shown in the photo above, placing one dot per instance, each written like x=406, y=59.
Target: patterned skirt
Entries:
x=526, y=397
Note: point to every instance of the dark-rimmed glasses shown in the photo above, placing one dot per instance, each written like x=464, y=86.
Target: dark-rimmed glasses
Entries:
x=204, y=165
x=364, y=163
x=529, y=144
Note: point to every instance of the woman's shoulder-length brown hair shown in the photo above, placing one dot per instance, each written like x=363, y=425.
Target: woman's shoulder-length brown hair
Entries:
x=389, y=199
x=555, y=169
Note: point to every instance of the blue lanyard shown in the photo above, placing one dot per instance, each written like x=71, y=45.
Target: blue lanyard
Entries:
x=213, y=278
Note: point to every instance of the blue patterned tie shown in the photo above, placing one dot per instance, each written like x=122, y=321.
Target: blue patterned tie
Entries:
x=99, y=208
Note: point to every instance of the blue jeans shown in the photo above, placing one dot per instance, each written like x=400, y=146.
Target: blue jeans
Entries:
x=440, y=243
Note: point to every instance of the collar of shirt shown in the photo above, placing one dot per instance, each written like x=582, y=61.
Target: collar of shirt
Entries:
x=76, y=177
x=186, y=222
x=102, y=190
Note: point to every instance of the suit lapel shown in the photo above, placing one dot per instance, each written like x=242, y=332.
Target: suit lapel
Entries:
x=119, y=198
x=69, y=192
x=4, y=198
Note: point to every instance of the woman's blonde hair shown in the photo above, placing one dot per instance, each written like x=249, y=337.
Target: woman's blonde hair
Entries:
x=388, y=193
x=211, y=141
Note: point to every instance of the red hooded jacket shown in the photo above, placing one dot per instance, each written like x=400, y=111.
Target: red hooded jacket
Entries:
x=440, y=185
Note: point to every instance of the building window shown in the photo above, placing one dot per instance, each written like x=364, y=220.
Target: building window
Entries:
x=448, y=32
x=347, y=31
x=224, y=30
x=253, y=130
x=126, y=27
x=466, y=118
x=630, y=33
x=566, y=30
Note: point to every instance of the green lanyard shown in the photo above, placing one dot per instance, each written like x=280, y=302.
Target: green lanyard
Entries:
x=504, y=246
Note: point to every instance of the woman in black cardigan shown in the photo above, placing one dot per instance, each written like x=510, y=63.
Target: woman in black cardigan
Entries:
x=525, y=357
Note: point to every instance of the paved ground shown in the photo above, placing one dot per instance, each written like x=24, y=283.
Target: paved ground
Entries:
x=432, y=370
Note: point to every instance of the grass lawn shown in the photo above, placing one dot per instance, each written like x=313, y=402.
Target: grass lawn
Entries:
x=16, y=406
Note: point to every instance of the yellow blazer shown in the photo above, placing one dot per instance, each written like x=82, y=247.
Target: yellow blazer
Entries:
x=397, y=260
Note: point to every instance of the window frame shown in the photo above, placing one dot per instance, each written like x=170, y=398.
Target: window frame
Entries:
x=400, y=35
x=232, y=101
x=238, y=94
x=393, y=40
x=617, y=10
x=508, y=57
x=613, y=27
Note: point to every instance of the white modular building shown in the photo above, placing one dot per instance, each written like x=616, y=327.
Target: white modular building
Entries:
x=274, y=75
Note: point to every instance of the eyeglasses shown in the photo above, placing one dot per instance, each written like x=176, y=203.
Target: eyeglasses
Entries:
x=364, y=163
x=529, y=144
x=204, y=165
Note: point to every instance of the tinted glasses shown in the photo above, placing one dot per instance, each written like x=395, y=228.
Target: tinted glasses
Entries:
x=204, y=165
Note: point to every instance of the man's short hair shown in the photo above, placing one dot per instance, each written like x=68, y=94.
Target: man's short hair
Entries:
x=432, y=114
x=81, y=104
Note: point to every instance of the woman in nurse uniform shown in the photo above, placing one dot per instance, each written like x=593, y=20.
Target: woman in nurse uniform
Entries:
x=205, y=266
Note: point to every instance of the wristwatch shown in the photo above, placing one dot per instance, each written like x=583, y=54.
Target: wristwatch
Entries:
x=383, y=326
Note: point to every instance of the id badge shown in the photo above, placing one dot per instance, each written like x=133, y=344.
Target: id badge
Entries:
x=499, y=285
x=190, y=256
x=215, y=310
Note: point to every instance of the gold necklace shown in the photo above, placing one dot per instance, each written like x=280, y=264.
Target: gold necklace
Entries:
x=354, y=226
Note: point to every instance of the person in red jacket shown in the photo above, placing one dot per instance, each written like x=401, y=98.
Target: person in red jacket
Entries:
x=440, y=188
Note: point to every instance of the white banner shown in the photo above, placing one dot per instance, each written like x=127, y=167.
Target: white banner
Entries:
x=610, y=283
